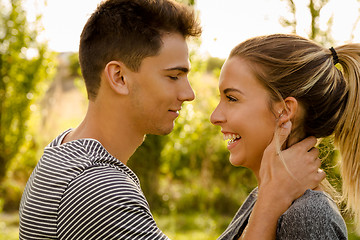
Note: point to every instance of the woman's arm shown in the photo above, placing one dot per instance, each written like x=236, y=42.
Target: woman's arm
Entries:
x=283, y=178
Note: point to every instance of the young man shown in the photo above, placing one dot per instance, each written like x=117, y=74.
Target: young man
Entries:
x=134, y=59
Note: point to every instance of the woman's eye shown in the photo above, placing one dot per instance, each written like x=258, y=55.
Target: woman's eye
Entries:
x=231, y=99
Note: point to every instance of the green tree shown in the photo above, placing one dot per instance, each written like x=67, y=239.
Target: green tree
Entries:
x=315, y=33
x=22, y=67
x=188, y=2
x=146, y=163
x=292, y=23
x=355, y=25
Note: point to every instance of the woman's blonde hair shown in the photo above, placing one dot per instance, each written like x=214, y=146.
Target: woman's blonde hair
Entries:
x=292, y=66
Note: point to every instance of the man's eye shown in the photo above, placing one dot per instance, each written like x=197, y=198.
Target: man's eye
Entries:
x=231, y=99
x=173, y=78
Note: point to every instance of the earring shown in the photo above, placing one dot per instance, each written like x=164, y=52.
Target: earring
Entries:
x=281, y=113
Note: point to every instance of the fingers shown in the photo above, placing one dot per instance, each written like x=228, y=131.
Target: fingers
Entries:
x=313, y=154
x=308, y=143
x=321, y=175
x=302, y=160
x=312, y=175
x=318, y=162
x=316, y=177
x=280, y=136
x=283, y=132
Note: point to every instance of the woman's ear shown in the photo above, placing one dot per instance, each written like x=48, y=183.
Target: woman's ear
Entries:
x=288, y=111
x=114, y=75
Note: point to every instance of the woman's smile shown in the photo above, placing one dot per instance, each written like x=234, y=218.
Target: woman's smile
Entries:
x=233, y=139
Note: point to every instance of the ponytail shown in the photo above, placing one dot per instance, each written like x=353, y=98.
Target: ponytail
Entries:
x=347, y=131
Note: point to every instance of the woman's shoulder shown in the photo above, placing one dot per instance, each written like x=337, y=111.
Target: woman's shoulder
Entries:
x=312, y=216
x=316, y=203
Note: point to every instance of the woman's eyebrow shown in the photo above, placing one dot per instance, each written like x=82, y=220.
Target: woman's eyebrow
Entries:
x=227, y=90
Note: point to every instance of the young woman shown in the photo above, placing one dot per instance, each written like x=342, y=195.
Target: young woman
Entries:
x=269, y=80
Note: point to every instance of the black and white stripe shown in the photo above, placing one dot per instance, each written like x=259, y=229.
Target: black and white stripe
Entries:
x=79, y=191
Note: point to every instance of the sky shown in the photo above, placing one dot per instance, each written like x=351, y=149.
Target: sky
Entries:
x=225, y=23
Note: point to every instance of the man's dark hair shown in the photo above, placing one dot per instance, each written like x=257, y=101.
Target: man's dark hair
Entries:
x=129, y=31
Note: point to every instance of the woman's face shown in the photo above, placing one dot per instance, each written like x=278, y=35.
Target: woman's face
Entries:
x=244, y=114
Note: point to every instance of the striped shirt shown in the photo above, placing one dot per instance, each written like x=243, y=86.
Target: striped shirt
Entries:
x=78, y=190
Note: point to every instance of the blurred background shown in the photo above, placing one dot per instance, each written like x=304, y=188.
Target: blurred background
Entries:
x=192, y=189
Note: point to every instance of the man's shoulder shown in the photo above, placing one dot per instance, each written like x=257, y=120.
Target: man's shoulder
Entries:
x=101, y=175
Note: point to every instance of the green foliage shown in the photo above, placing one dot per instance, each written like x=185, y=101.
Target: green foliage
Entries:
x=146, y=163
x=74, y=65
x=22, y=66
x=323, y=37
x=290, y=22
x=188, y=2
x=214, y=64
x=315, y=6
x=9, y=226
x=196, y=225
x=19, y=171
x=75, y=72
x=330, y=161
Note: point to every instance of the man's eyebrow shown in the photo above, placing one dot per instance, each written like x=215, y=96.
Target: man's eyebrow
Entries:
x=182, y=69
x=227, y=90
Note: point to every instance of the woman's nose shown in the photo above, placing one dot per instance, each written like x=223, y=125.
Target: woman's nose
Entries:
x=217, y=117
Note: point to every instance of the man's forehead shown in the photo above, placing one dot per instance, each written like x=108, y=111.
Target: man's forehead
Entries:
x=172, y=56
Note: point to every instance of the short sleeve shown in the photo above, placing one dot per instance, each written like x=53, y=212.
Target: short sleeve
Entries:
x=312, y=216
x=103, y=203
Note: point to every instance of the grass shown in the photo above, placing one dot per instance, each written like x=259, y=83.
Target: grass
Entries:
x=180, y=227
x=200, y=226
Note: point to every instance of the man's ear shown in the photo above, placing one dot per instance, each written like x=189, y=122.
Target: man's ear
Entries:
x=288, y=111
x=114, y=75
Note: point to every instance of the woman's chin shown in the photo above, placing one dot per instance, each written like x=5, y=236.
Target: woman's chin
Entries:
x=236, y=162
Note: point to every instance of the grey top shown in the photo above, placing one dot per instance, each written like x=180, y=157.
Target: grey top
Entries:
x=312, y=216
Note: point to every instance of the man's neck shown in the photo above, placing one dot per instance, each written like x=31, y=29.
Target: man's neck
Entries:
x=118, y=136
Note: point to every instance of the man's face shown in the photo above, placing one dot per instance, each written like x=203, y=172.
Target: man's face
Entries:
x=161, y=86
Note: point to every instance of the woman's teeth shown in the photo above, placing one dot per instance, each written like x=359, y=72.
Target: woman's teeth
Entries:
x=231, y=137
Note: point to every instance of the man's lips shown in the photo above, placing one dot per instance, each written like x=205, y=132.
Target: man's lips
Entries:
x=175, y=112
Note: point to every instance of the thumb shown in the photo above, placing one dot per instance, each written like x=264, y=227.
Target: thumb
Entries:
x=281, y=134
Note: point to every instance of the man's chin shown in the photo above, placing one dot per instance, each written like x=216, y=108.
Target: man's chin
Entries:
x=163, y=131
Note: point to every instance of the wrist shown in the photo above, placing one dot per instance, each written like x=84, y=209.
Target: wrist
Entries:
x=274, y=199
